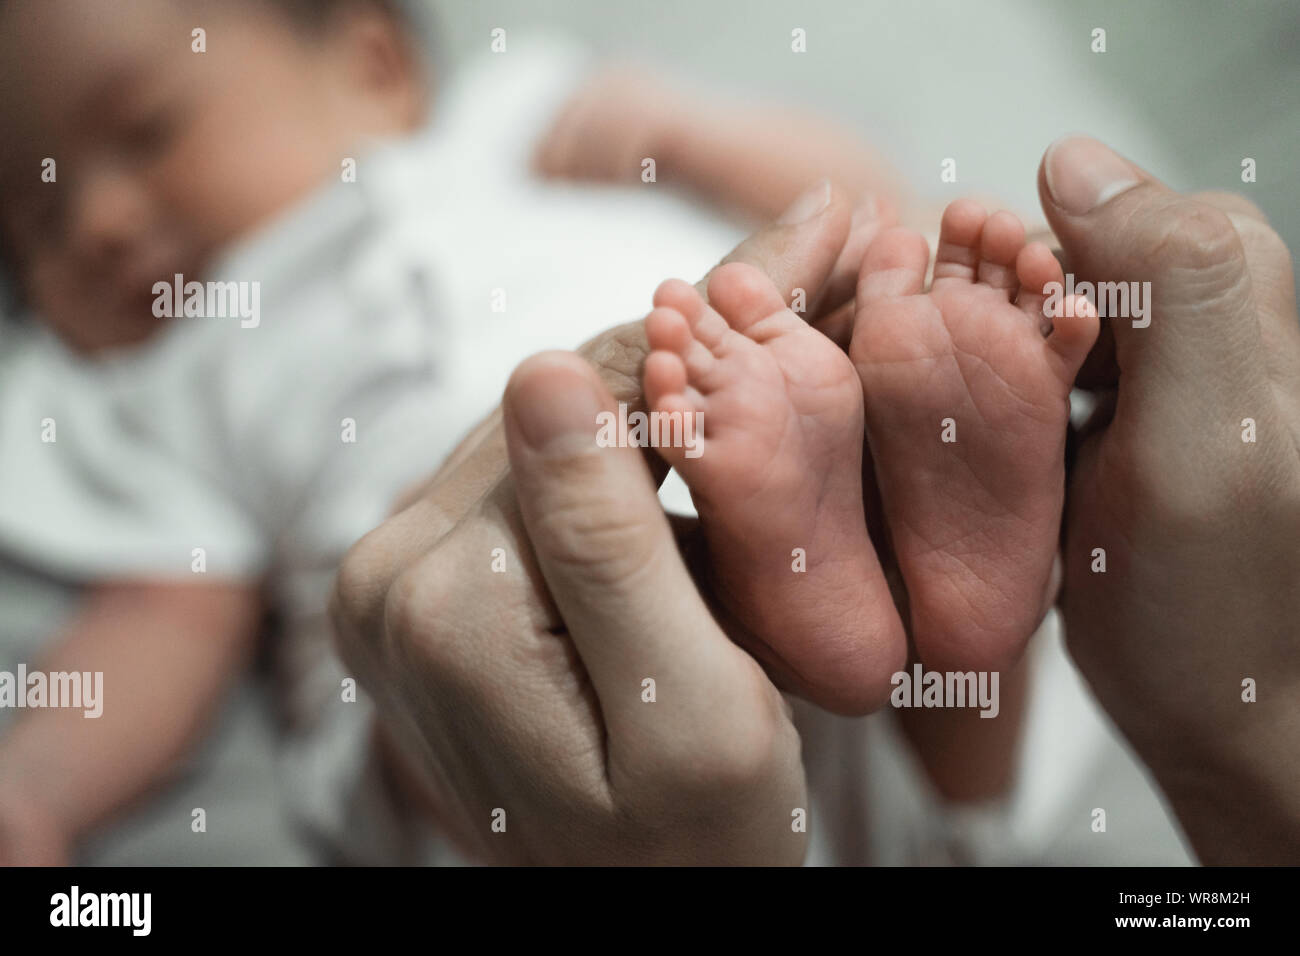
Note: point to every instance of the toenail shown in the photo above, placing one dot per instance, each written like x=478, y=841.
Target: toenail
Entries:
x=1082, y=174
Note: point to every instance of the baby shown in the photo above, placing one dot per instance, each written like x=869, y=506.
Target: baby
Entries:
x=754, y=159
x=963, y=392
x=190, y=466
x=203, y=472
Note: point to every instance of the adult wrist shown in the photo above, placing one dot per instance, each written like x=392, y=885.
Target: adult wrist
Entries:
x=32, y=831
x=1234, y=789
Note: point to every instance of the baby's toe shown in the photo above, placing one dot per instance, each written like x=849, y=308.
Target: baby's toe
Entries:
x=958, y=255
x=668, y=330
x=1001, y=240
x=893, y=267
x=677, y=427
x=706, y=326
x=665, y=374
x=1036, y=268
x=680, y=295
x=1074, y=332
x=743, y=295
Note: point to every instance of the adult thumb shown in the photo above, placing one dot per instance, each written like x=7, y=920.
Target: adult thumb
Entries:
x=605, y=548
x=1177, y=287
x=798, y=251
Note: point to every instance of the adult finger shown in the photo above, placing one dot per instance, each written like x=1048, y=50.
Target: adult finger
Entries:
x=1190, y=328
x=799, y=249
x=612, y=565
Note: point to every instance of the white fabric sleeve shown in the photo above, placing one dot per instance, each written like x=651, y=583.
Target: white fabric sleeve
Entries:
x=347, y=394
x=90, y=486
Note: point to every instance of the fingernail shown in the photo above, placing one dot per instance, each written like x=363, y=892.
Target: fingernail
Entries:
x=556, y=407
x=807, y=205
x=1083, y=173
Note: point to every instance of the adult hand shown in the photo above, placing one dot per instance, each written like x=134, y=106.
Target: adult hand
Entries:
x=29, y=834
x=1196, y=508
x=538, y=707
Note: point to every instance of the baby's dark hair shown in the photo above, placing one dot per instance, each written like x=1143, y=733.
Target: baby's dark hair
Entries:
x=315, y=13
x=415, y=17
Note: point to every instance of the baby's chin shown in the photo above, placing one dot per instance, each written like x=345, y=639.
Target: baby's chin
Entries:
x=98, y=331
x=124, y=315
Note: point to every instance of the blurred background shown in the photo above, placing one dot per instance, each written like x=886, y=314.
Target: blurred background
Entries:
x=1187, y=89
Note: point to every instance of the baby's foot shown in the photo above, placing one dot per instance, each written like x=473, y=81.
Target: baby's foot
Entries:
x=778, y=483
x=967, y=401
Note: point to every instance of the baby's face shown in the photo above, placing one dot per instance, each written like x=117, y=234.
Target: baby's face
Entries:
x=163, y=155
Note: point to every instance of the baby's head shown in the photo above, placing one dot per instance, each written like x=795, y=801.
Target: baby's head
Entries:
x=163, y=154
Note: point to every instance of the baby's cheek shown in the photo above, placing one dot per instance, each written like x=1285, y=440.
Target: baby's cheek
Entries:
x=234, y=170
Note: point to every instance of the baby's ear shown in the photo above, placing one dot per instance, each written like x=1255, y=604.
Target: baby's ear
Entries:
x=381, y=59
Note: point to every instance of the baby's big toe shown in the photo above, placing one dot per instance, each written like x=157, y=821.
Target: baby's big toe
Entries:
x=680, y=295
x=894, y=266
x=744, y=295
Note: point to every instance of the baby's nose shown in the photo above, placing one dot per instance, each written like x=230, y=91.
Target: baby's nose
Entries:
x=108, y=216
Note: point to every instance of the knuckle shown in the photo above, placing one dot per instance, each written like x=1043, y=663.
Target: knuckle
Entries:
x=1142, y=491
x=415, y=607
x=1222, y=494
x=1231, y=203
x=748, y=759
x=719, y=767
x=1194, y=236
x=599, y=535
x=1266, y=246
x=1261, y=241
x=358, y=596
